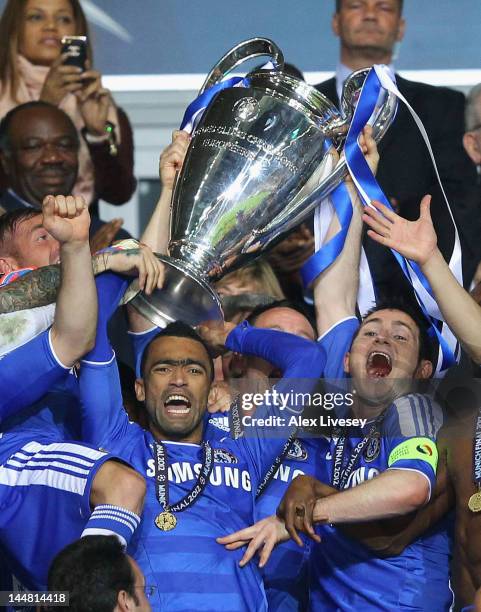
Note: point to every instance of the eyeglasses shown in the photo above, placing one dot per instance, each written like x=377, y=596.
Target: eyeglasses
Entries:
x=476, y=127
x=149, y=590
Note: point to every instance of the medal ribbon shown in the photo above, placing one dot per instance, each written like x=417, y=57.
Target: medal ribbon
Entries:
x=162, y=478
x=477, y=453
x=235, y=426
x=275, y=466
x=341, y=472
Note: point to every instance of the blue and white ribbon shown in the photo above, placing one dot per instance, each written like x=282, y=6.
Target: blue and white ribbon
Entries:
x=196, y=108
x=368, y=188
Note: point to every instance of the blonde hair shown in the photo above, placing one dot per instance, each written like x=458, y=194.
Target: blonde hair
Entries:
x=11, y=23
x=258, y=276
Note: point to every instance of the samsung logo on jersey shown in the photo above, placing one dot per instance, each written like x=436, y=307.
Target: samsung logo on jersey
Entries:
x=286, y=473
x=361, y=475
x=221, y=475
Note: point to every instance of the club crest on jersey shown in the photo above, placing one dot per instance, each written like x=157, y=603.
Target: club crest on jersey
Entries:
x=221, y=455
x=373, y=448
x=297, y=451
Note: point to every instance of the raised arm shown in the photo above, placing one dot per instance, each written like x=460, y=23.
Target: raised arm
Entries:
x=73, y=331
x=156, y=234
x=417, y=240
x=335, y=290
x=44, y=358
x=40, y=287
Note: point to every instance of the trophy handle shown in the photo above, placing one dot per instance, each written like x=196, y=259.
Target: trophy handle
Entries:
x=248, y=49
x=328, y=179
x=384, y=112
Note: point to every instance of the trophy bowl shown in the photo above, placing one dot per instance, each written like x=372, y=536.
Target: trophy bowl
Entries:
x=259, y=161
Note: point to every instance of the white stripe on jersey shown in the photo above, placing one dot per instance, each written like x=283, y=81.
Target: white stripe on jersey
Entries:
x=49, y=478
x=117, y=517
x=434, y=414
x=19, y=456
x=43, y=470
x=417, y=413
x=66, y=447
x=34, y=464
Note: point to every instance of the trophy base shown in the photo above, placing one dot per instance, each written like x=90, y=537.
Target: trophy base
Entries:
x=183, y=297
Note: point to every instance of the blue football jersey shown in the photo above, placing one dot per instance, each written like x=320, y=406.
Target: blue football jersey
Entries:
x=345, y=575
x=286, y=573
x=37, y=393
x=191, y=571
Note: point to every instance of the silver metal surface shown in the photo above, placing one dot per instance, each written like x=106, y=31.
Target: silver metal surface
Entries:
x=257, y=165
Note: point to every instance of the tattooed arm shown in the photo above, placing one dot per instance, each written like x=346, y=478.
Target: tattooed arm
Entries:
x=39, y=287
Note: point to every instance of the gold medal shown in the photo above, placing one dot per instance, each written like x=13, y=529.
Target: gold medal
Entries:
x=474, y=503
x=166, y=521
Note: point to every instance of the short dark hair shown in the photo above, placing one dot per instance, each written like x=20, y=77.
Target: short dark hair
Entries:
x=398, y=302
x=9, y=223
x=93, y=569
x=7, y=120
x=338, y=6
x=297, y=306
x=177, y=329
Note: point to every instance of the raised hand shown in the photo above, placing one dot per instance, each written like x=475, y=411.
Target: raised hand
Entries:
x=297, y=507
x=139, y=262
x=415, y=240
x=94, y=101
x=261, y=537
x=61, y=80
x=172, y=158
x=215, y=334
x=66, y=218
x=369, y=148
x=220, y=397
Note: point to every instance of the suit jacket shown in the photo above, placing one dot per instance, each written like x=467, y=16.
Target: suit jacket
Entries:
x=406, y=172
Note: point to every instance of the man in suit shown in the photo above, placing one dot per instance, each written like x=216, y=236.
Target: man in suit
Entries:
x=368, y=31
x=39, y=148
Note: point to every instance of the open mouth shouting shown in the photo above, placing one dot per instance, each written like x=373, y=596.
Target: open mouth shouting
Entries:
x=379, y=364
x=177, y=404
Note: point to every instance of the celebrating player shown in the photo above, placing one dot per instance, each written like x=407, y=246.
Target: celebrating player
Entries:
x=52, y=491
x=198, y=487
x=383, y=470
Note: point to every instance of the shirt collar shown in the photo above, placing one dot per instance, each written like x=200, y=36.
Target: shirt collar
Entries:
x=15, y=195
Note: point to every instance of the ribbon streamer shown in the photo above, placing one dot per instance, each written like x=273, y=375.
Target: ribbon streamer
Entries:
x=369, y=189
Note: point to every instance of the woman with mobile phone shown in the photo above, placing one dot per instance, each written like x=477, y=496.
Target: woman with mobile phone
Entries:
x=34, y=65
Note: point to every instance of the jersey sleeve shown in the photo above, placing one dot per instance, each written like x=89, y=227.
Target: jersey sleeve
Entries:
x=286, y=351
x=302, y=363
x=336, y=342
x=140, y=340
x=411, y=427
x=104, y=420
x=27, y=373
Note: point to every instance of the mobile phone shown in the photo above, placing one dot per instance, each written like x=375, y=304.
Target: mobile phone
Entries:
x=76, y=49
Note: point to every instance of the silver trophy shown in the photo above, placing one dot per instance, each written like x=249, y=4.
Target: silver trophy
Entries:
x=257, y=166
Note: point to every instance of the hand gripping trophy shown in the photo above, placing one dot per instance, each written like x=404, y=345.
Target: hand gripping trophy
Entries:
x=257, y=165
